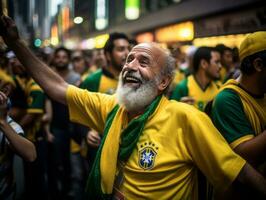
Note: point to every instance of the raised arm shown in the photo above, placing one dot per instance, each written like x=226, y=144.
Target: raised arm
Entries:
x=49, y=81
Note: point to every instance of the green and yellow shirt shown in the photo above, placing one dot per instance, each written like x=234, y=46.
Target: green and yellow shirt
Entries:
x=100, y=81
x=171, y=148
x=190, y=87
x=230, y=119
x=35, y=104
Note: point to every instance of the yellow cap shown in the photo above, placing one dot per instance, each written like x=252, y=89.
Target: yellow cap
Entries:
x=253, y=43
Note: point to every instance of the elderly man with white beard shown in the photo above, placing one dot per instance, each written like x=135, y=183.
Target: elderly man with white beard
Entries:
x=152, y=148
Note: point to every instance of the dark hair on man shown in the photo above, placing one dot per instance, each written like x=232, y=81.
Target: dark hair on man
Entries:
x=109, y=45
x=247, y=67
x=202, y=53
x=68, y=52
x=221, y=48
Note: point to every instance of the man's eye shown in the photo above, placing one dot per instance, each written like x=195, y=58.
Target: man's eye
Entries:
x=144, y=62
x=129, y=59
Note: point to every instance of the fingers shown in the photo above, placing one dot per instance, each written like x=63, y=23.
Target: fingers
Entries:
x=188, y=100
x=3, y=98
x=93, y=138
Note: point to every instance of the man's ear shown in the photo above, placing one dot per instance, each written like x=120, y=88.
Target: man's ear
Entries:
x=203, y=64
x=258, y=64
x=108, y=56
x=166, y=80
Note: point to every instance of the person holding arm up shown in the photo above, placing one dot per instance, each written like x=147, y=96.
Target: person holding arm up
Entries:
x=151, y=147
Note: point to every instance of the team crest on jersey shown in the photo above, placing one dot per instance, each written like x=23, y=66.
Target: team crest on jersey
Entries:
x=147, y=155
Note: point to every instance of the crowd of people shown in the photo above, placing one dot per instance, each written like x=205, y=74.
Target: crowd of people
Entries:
x=132, y=121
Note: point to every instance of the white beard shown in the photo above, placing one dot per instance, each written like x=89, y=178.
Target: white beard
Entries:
x=136, y=99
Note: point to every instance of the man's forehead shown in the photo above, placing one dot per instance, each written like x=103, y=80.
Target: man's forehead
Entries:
x=145, y=48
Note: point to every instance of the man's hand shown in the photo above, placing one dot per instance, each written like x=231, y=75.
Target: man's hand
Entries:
x=8, y=30
x=188, y=100
x=93, y=138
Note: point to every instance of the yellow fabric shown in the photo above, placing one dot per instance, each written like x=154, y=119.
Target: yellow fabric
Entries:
x=201, y=97
x=180, y=137
x=74, y=147
x=107, y=85
x=110, y=150
x=223, y=73
x=253, y=43
x=235, y=143
x=178, y=77
x=255, y=113
x=6, y=78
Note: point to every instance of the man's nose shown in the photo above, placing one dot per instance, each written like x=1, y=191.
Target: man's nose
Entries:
x=133, y=65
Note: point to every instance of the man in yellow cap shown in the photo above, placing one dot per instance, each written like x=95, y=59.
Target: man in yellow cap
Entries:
x=152, y=148
x=239, y=110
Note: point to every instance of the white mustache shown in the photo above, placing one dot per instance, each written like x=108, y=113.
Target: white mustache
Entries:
x=132, y=74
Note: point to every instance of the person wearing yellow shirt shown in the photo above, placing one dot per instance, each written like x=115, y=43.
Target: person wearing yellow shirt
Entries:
x=151, y=147
x=200, y=87
x=105, y=80
x=239, y=110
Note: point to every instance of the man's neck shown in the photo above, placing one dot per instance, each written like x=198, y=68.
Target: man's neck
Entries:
x=113, y=71
x=62, y=72
x=250, y=84
x=202, y=79
x=133, y=114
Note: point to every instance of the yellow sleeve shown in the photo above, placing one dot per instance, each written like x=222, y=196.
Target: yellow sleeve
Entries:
x=210, y=152
x=89, y=108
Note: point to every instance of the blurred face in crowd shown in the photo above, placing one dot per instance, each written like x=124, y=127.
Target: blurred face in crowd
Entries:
x=78, y=61
x=141, y=78
x=119, y=54
x=227, y=58
x=260, y=66
x=61, y=60
x=99, y=58
x=17, y=67
x=214, y=66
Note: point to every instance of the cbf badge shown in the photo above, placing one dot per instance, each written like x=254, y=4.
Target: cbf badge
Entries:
x=147, y=155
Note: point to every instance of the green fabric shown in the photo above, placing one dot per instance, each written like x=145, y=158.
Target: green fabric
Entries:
x=92, y=82
x=38, y=100
x=229, y=117
x=130, y=137
x=181, y=90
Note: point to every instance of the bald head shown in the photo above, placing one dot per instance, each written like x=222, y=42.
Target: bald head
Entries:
x=161, y=56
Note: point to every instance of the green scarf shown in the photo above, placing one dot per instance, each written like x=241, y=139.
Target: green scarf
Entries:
x=96, y=187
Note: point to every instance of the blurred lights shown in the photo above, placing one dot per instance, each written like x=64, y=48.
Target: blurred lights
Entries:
x=145, y=37
x=228, y=40
x=100, y=24
x=178, y=32
x=65, y=19
x=132, y=9
x=54, y=35
x=54, y=41
x=71, y=44
x=46, y=42
x=88, y=44
x=101, y=20
x=101, y=40
x=37, y=42
x=78, y=20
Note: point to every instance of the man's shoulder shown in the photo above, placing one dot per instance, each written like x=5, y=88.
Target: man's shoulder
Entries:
x=227, y=97
x=180, y=108
x=91, y=82
x=95, y=75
